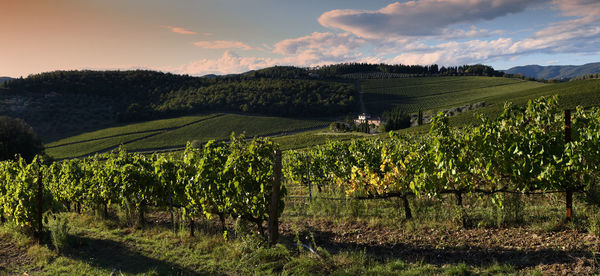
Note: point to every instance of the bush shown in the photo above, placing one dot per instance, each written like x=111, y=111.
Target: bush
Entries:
x=341, y=126
x=18, y=138
x=59, y=233
x=512, y=211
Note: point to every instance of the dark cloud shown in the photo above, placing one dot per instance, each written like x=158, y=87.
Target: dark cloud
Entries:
x=419, y=18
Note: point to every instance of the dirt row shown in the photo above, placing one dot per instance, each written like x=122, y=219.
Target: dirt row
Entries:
x=11, y=256
x=564, y=252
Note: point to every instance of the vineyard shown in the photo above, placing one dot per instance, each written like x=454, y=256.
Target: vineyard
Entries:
x=174, y=133
x=224, y=180
x=571, y=95
x=524, y=150
x=535, y=149
x=427, y=93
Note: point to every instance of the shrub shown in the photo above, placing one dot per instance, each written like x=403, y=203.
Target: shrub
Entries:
x=59, y=232
x=18, y=138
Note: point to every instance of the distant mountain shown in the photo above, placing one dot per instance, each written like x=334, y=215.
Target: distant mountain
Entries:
x=555, y=72
x=3, y=79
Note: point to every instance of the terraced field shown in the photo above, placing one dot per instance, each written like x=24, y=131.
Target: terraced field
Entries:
x=412, y=94
x=173, y=133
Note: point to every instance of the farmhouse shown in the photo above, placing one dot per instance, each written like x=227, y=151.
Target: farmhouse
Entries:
x=362, y=118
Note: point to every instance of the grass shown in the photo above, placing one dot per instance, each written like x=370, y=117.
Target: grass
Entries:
x=176, y=133
x=102, y=247
x=585, y=93
x=348, y=238
x=314, y=137
x=221, y=128
x=131, y=129
x=90, y=147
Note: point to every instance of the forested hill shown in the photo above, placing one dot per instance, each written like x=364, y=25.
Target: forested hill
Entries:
x=66, y=102
x=555, y=72
x=142, y=95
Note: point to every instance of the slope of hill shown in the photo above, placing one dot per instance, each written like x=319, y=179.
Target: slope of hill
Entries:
x=555, y=72
x=176, y=132
x=432, y=93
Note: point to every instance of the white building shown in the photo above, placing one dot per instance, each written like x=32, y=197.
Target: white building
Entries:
x=366, y=118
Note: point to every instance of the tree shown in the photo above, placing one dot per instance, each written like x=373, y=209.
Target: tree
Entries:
x=396, y=119
x=18, y=138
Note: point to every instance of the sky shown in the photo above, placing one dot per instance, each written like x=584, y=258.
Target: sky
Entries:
x=199, y=37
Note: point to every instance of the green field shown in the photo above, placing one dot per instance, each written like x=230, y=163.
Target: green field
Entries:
x=150, y=126
x=172, y=133
x=314, y=137
x=414, y=94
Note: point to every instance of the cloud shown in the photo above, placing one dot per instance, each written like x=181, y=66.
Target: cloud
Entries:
x=457, y=53
x=318, y=47
x=312, y=50
x=418, y=18
x=179, y=30
x=228, y=63
x=223, y=44
x=431, y=38
x=579, y=7
x=572, y=36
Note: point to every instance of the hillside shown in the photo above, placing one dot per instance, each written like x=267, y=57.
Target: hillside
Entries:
x=433, y=93
x=3, y=79
x=176, y=132
x=585, y=93
x=428, y=93
x=555, y=72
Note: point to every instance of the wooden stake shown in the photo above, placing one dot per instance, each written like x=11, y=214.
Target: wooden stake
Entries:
x=39, y=207
x=274, y=205
x=569, y=192
x=308, y=178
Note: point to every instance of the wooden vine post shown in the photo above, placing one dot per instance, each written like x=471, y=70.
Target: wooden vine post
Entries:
x=274, y=205
x=308, y=178
x=569, y=192
x=40, y=204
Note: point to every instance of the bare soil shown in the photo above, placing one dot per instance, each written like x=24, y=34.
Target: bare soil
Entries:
x=11, y=256
x=564, y=252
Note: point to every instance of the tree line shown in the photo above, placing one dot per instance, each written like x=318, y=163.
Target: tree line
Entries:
x=427, y=70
